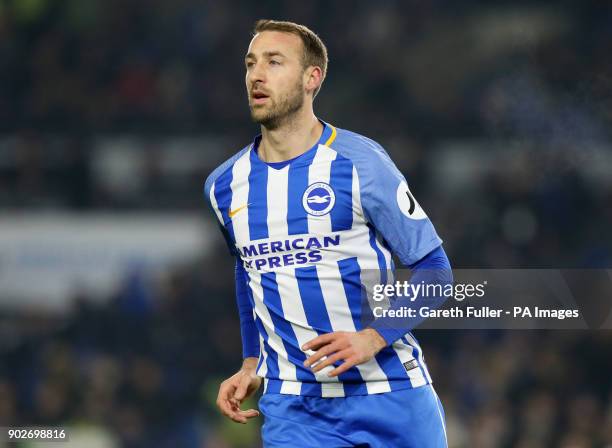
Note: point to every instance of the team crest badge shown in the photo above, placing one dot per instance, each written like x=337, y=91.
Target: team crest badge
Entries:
x=318, y=199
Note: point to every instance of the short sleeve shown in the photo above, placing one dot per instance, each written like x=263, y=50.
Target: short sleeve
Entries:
x=389, y=205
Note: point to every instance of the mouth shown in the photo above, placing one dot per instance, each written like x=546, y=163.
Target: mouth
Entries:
x=258, y=97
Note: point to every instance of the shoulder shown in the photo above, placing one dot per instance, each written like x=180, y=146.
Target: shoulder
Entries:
x=367, y=155
x=222, y=169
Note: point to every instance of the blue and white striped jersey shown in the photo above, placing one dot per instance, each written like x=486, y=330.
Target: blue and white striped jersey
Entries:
x=306, y=232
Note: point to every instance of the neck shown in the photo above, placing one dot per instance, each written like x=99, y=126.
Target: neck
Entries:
x=292, y=138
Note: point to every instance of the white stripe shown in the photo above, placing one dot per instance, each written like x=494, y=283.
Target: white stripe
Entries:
x=341, y=319
x=278, y=185
x=373, y=375
x=288, y=289
x=421, y=360
x=240, y=196
x=403, y=351
x=293, y=310
x=263, y=368
x=438, y=404
x=319, y=171
x=286, y=369
x=215, y=206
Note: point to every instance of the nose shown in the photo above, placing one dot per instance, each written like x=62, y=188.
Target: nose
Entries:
x=256, y=73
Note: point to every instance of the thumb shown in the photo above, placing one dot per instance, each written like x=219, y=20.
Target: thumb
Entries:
x=242, y=388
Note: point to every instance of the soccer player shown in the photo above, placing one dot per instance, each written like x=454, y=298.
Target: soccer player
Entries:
x=310, y=211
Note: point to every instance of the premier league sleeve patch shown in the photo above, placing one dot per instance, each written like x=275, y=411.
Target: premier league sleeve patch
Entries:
x=408, y=204
x=318, y=199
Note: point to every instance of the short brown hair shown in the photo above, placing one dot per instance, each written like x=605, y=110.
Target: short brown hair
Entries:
x=315, y=52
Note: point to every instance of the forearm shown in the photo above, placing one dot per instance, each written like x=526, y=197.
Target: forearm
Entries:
x=433, y=269
x=248, y=329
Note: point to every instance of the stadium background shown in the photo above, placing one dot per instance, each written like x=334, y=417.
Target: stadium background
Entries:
x=117, y=315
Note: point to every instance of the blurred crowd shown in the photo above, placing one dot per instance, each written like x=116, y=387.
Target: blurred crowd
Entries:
x=523, y=88
x=144, y=369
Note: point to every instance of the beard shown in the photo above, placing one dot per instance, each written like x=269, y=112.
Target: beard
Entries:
x=274, y=114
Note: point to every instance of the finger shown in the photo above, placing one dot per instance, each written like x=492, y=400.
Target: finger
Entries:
x=319, y=341
x=347, y=364
x=249, y=413
x=344, y=354
x=320, y=353
x=226, y=408
x=244, y=416
x=226, y=391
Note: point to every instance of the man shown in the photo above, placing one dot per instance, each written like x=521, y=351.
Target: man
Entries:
x=311, y=211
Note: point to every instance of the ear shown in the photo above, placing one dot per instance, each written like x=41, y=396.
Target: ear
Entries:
x=313, y=77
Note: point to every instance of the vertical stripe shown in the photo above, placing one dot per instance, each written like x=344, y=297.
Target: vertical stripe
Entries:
x=269, y=367
x=297, y=218
x=223, y=200
x=342, y=318
x=279, y=365
x=418, y=354
x=341, y=181
x=262, y=369
x=258, y=199
x=277, y=190
x=382, y=263
x=388, y=358
x=440, y=412
x=312, y=299
x=405, y=355
x=288, y=290
x=283, y=327
x=319, y=171
x=350, y=273
x=317, y=318
x=350, y=277
x=317, y=295
x=240, y=194
x=215, y=206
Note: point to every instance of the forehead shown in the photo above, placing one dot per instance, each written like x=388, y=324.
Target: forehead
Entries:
x=288, y=44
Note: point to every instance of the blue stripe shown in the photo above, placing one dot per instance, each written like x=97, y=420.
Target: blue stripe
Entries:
x=341, y=181
x=416, y=353
x=316, y=311
x=312, y=299
x=258, y=199
x=350, y=274
x=297, y=218
x=272, y=358
x=387, y=358
x=260, y=361
x=382, y=264
x=283, y=328
x=392, y=366
x=273, y=370
x=223, y=196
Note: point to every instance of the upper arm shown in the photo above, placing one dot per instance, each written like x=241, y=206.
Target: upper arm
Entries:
x=389, y=205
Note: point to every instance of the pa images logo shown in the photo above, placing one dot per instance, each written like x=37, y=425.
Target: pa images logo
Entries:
x=318, y=199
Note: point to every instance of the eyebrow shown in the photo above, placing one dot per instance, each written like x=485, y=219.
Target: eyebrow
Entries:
x=268, y=54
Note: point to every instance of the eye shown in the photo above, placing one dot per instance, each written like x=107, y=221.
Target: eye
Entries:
x=249, y=64
x=273, y=62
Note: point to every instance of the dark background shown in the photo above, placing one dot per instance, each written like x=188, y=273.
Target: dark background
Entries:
x=498, y=113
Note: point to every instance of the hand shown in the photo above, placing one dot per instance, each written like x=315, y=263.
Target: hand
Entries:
x=237, y=388
x=352, y=347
